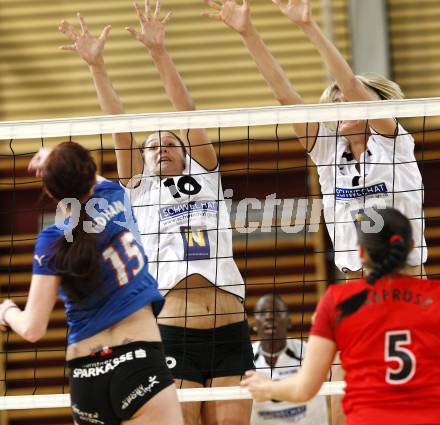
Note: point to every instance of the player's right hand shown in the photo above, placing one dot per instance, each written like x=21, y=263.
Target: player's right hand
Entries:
x=89, y=48
x=36, y=165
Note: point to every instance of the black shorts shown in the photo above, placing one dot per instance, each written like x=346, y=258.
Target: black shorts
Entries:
x=198, y=355
x=110, y=386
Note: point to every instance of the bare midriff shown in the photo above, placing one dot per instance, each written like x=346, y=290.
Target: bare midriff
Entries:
x=197, y=303
x=140, y=326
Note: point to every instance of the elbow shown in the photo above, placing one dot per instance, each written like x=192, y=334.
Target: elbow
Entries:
x=306, y=396
x=188, y=105
x=284, y=100
x=34, y=333
x=191, y=105
x=303, y=394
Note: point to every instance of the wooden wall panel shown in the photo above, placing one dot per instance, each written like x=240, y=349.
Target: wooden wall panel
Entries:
x=40, y=81
x=415, y=46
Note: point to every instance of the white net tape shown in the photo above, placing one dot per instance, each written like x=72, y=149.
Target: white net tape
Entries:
x=185, y=395
x=219, y=118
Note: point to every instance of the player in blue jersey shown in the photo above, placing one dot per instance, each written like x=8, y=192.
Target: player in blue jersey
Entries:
x=92, y=259
x=174, y=184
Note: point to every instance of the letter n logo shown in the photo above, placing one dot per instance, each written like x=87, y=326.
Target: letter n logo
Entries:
x=195, y=243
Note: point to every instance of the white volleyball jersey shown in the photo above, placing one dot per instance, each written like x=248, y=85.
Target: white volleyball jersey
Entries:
x=388, y=177
x=313, y=412
x=185, y=228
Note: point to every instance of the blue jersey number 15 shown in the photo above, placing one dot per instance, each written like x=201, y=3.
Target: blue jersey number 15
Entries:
x=118, y=259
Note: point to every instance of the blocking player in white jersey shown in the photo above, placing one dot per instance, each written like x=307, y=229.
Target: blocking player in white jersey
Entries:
x=278, y=357
x=175, y=188
x=361, y=164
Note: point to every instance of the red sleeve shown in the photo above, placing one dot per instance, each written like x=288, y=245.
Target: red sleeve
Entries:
x=324, y=323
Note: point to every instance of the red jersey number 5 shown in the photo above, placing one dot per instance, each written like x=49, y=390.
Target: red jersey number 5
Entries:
x=396, y=352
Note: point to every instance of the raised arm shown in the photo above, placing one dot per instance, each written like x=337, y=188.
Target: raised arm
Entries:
x=302, y=386
x=91, y=49
x=152, y=36
x=299, y=12
x=238, y=18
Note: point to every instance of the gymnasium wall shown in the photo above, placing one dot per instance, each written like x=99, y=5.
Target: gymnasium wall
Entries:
x=37, y=80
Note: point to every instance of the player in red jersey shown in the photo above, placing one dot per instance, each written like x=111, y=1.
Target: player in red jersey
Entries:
x=386, y=327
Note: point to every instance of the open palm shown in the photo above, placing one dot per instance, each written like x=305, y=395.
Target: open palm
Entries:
x=152, y=33
x=36, y=165
x=88, y=47
x=235, y=16
x=298, y=11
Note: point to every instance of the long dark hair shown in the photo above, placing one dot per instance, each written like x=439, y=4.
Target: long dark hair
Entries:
x=70, y=172
x=387, y=251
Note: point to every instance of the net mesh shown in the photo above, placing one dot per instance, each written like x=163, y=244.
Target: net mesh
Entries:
x=271, y=191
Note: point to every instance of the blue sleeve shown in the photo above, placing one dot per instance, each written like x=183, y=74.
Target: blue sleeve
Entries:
x=44, y=250
x=124, y=219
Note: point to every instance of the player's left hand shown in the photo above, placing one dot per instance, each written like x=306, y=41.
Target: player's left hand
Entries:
x=234, y=15
x=258, y=385
x=36, y=165
x=152, y=33
x=88, y=47
x=298, y=11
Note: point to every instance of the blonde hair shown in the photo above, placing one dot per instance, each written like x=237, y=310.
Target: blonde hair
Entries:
x=385, y=89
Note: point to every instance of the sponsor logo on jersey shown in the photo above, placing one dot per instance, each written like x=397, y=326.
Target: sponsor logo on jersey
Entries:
x=287, y=371
x=39, y=259
x=101, y=368
x=171, y=362
x=188, y=208
x=296, y=413
x=349, y=193
x=195, y=243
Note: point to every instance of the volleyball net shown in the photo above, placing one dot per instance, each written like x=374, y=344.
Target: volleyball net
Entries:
x=272, y=193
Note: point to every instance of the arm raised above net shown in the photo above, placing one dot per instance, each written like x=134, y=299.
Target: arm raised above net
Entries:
x=152, y=36
x=238, y=18
x=299, y=12
x=91, y=49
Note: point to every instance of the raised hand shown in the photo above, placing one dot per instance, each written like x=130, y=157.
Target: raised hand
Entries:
x=235, y=16
x=258, y=385
x=152, y=33
x=298, y=11
x=88, y=47
x=36, y=165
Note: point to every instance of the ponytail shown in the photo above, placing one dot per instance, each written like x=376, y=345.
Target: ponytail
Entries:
x=70, y=172
x=77, y=261
x=387, y=252
x=395, y=257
